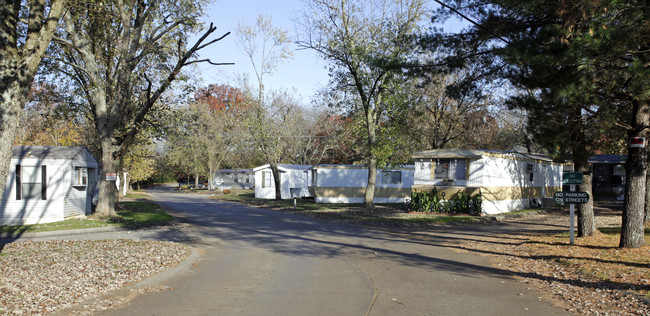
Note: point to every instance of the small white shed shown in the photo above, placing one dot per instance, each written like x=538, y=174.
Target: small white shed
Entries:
x=507, y=181
x=347, y=184
x=48, y=184
x=294, y=181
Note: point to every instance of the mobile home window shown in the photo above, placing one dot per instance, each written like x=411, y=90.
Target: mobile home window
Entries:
x=392, y=177
x=31, y=182
x=266, y=179
x=450, y=169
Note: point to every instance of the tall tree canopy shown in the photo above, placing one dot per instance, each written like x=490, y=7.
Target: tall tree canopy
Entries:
x=585, y=67
x=122, y=56
x=365, y=40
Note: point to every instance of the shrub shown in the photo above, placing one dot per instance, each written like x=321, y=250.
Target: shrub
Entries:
x=226, y=191
x=477, y=205
x=426, y=201
x=434, y=202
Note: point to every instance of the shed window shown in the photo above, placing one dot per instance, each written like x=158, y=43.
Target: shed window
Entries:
x=80, y=176
x=450, y=169
x=31, y=182
x=392, y=177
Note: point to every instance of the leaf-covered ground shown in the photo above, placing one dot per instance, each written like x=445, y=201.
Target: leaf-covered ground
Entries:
x=39, y=277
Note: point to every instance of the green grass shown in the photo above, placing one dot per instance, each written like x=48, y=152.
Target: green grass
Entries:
x=617, y=230
x=141, y=212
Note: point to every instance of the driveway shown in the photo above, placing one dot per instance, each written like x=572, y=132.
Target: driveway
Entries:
x=261, y=262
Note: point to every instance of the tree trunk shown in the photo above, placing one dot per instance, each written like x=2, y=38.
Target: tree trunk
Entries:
x=276, y=180
x=586, y=221
x=647, y=197
x=107, y=189
x=210, y=179
x=19, y=61
x=369, y=196
x=10, y=114
x=632, y=230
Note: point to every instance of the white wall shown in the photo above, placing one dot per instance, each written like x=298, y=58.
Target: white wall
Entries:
x=499, y=172
x=290, y=178
x=33, y=211
x=357, y=177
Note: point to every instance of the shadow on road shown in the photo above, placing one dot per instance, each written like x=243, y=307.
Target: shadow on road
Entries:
x=300, y=236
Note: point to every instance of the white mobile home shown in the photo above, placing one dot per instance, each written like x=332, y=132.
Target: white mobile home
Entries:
x=234, y=179
x=48, y=184
x=294, y=181
x=347, y=184
x=506, y=181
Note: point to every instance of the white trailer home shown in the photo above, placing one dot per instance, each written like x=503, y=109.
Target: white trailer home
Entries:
x=507, y=181
x=48, y=184
x=234, y=179
x=294, y=181
x=347, y=184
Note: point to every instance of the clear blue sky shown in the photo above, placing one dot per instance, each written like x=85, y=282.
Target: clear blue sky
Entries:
x=306, y=72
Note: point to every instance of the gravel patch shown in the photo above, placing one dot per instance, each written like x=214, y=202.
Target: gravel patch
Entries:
x=40, y=277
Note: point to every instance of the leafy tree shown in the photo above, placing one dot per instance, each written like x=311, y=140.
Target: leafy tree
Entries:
x=47, y=121
x=266, y=46
x=122, y=57
x=140, y=163
x=220, y=113
x=26, y=30
x=581, y=64
x=365, y=41
x=316, y=137
x=445, y=119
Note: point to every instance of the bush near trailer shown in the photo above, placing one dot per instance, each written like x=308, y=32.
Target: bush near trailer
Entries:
x=434, y=202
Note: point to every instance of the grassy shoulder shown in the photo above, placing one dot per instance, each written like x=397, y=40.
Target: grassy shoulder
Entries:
x=133, y=209
x=356, y=213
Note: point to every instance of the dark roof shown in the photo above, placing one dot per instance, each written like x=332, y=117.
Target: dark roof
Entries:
x=49, y=152
x=234, y=171
x=475, y=153
x=617, y=159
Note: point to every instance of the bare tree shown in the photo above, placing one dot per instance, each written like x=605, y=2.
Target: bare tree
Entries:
x=266, y=46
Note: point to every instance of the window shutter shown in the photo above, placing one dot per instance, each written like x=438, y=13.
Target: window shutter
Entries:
x=43, y=183
x=18, y=182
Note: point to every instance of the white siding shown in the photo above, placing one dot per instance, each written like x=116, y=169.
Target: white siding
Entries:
x=507, y=170
x=299, y=178
x=33, y=211
x=59, y=177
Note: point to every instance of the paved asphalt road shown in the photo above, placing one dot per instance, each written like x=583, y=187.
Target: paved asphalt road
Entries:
x=261, y=262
